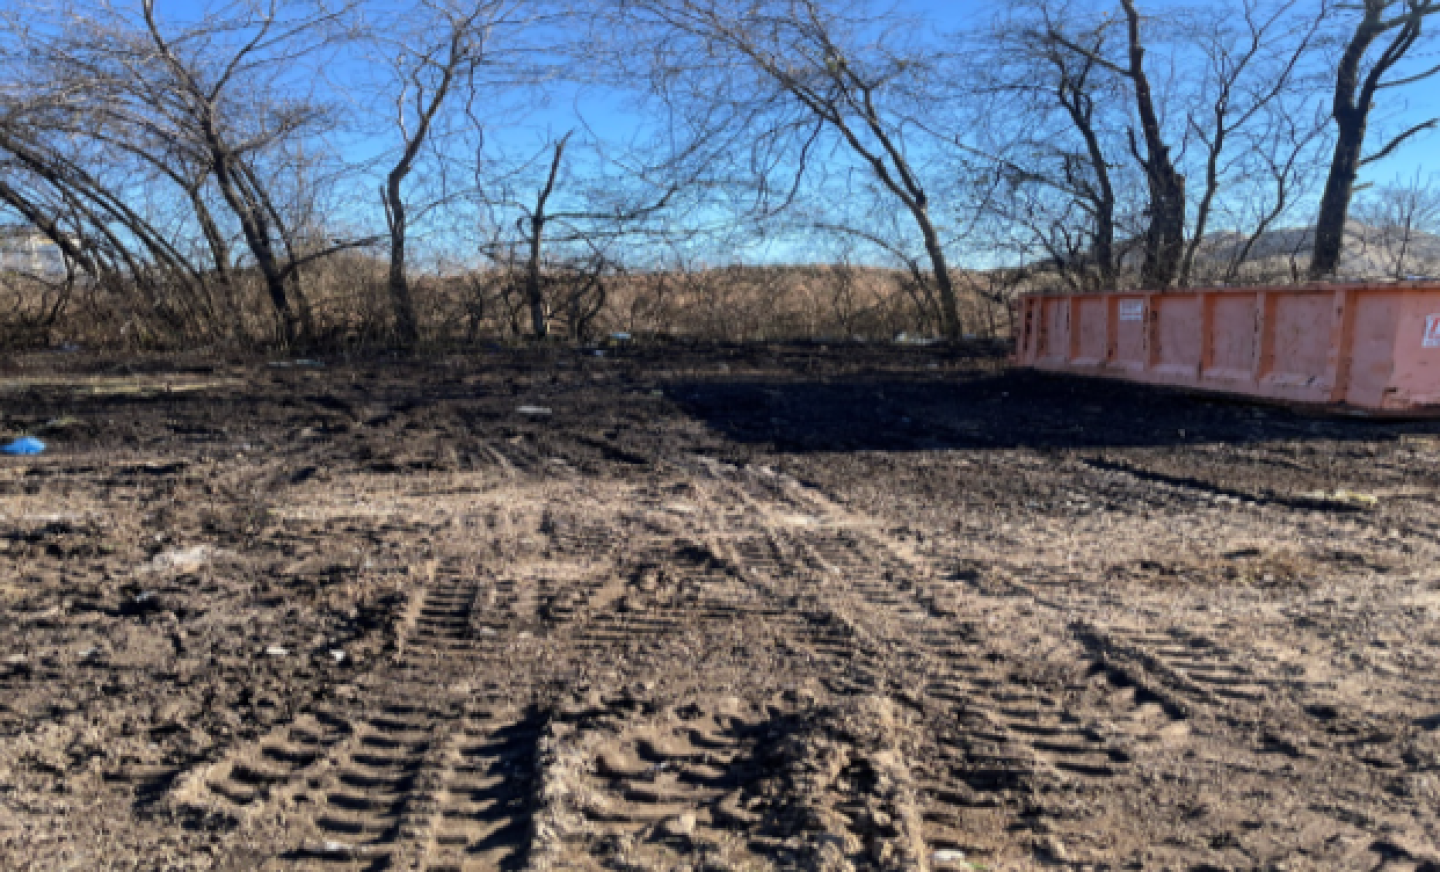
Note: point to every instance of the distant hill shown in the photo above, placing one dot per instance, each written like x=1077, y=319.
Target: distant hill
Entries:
x=1370, y=253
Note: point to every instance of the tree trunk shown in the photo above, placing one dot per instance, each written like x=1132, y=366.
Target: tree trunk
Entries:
x=534, y=288
x=1165, y=235
x=1353, y=99
x=402, y=303
x=1105, y=245
x=1351, y=111
x=294, y=328
x=1202, y=211
x=950, y=323
x=1080, y=108
x=1104, y=239
x=1335, y=202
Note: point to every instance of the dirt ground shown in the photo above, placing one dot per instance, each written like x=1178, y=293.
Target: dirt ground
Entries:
x=789, y=607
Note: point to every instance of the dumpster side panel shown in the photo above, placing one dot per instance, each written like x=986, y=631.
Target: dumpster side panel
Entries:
x=1372, y=348
x=1025, y=343
x=1301, y=332
x=1415, y=380
x=1130, y=320
x=1232, y=339
x=1092, y=326
x=1178, y=338
x=1036, y=321
x=1055, y=330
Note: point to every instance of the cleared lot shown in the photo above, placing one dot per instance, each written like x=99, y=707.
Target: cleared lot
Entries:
x=708, y=608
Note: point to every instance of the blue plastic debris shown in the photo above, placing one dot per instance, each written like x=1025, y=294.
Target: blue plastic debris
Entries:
x=27, y=445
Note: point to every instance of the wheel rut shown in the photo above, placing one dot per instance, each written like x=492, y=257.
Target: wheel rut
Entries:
x=1004, y=751
x=417, y=767
x=527, y=718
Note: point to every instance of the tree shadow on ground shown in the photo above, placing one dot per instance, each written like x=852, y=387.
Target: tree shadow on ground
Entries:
x=1004, y=409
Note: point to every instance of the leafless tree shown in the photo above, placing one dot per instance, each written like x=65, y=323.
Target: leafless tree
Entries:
x=1095, y=154
x=1400, y=227
x=1165, y=224
x=1048, y=117
x=1394, y=27
x=1254, y=57
x=798, y=77
x=564, y=230
x=95, y=216
x=213, y=107
x=434, y=50
x=1285, y=165
x=205, y=92
x=533, y=224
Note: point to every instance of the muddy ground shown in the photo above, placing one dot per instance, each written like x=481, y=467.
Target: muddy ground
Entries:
x=802, y=607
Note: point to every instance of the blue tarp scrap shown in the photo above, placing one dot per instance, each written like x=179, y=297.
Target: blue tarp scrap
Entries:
x=27, y=445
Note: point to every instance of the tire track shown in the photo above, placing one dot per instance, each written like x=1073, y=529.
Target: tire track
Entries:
x=1005, y=748
x=635, y=602
x=481, y=819
x=367, y=806
x=647, y=788
x=720, y=783
x=650, y=790
x=1008, y=748
x=1198, y=666
x=1186, y=486
x=418, y=770
x=777, y=572
x=282, y=758
x=440, y=778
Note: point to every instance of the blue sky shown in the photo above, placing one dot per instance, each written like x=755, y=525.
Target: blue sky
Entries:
x=526, y=130
x=609, y=116
x=1401, y=109
x=1397, y=109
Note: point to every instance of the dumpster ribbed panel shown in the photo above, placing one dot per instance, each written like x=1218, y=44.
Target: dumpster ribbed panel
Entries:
x=1373, y=348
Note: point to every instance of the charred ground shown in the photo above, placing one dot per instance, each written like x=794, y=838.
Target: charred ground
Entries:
x=846, y=607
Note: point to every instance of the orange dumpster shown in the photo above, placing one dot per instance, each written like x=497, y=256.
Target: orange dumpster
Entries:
x=1370, y=348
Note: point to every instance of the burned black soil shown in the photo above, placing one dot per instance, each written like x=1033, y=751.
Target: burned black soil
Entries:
x=675, y=607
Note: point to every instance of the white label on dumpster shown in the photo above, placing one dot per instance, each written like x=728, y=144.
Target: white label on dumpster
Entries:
x=1133, y=310
x=1432, y=332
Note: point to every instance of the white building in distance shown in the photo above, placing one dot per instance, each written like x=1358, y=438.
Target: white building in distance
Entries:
x=26, y=250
